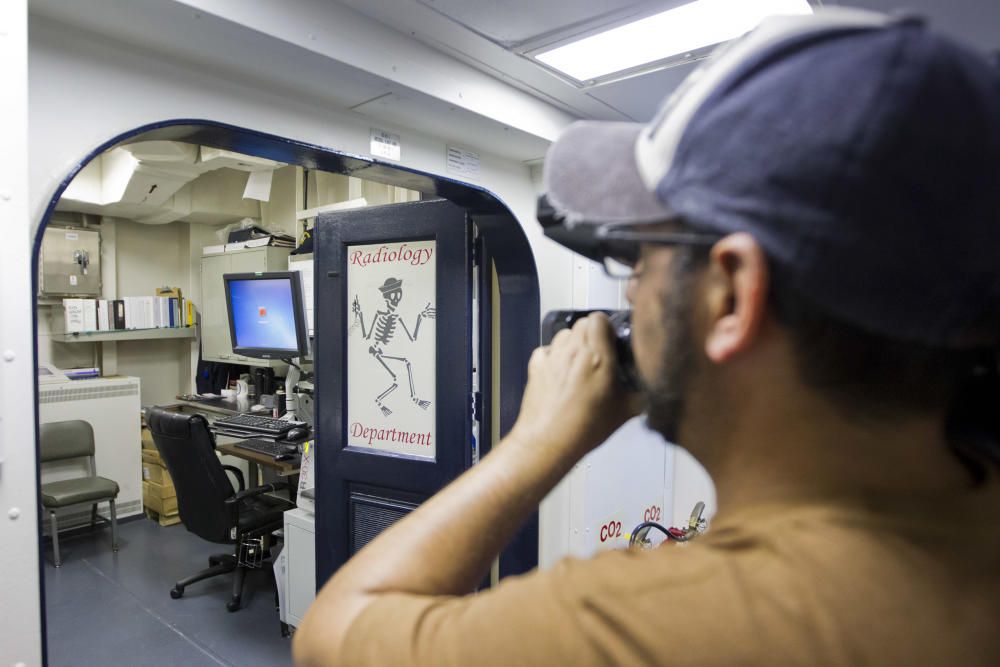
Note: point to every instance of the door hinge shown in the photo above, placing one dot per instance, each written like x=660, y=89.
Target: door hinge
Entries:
x=476, y=404
x=476, y=254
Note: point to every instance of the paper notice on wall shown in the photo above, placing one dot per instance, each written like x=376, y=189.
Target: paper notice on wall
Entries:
x=391, y=347
x=385, y=144
x=462, y=162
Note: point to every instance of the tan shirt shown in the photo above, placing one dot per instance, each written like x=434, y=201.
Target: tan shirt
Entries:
x=830, y=583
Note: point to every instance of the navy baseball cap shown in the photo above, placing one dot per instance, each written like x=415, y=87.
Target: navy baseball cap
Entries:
x=861, y=150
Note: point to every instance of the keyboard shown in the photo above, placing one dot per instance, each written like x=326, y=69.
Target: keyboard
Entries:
x=256, y=423
x=266, y=447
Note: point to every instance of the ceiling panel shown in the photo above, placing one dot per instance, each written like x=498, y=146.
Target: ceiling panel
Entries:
x=515, y=21
x=452, y=125
x=640, y=96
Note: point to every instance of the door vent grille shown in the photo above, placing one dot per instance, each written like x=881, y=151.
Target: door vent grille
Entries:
x=370, y=515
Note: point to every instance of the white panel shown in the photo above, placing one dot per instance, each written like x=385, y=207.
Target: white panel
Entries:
x=444, y=120
x=20, y=632
x=639, y=97
x=329, y=50
x=623, y=482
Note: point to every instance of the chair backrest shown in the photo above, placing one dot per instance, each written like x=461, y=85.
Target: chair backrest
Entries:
x=66, y=440
x=188, y=449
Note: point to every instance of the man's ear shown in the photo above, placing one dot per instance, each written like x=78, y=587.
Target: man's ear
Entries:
x=737, y=296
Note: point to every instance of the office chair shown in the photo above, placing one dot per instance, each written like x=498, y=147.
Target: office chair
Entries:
x=209, y=506
x=71, y=440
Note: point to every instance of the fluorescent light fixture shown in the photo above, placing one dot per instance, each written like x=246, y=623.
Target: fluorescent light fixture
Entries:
x=658, y=37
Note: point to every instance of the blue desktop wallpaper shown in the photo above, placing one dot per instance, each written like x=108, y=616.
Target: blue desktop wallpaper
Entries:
x=263, y=314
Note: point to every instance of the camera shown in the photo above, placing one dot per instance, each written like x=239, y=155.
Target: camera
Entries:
x=621, y=321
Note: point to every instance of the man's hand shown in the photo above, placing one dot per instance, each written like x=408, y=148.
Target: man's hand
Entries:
x=573, y=397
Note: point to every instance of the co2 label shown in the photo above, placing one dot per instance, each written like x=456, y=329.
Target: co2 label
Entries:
x=652, y=513
x=610, y=530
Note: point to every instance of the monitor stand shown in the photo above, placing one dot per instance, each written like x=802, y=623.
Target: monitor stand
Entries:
x=291, y=379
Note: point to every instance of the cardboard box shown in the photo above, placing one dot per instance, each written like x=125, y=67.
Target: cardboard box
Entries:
x=153, y=470
x=147, y=440
x=169, y=292
x=158, y=474
x=153, y=497
x=152, y=456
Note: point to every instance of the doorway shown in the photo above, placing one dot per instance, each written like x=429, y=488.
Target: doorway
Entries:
x=507, y=325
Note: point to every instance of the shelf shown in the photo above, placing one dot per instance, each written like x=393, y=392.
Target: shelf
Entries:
x=126, y=334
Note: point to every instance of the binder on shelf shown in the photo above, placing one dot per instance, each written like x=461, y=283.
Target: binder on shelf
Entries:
x=89, y=314
x=119, y=313
x=72, y=315
x=103, y=319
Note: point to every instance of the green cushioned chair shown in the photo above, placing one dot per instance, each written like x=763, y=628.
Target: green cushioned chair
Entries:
x=71, y=440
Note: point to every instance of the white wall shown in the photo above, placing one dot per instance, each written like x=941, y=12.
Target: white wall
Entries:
x=20, y=632
x=137, y=89
x=151, y=256
x=85, y=90
x=142, y=258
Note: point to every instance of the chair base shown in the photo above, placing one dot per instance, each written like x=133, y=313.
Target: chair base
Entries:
x=218, y=564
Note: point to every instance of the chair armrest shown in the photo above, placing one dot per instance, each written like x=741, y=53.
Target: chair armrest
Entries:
x=238, y=474
x=257, y=491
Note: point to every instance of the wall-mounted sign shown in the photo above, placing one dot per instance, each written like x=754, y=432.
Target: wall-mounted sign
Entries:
x=461, y=161
x=391, y=347
x=385, y=144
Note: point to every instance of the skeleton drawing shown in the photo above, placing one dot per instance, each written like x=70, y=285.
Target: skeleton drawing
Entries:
x=381, y=332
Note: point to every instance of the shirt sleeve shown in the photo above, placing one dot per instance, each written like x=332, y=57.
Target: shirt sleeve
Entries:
x=582, y=612
x=526, y=621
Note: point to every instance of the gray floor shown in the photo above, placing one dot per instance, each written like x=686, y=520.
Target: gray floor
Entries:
x=104, y=608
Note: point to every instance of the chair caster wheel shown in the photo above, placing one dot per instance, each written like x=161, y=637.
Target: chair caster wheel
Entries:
x=233, y=604
x=176, y=592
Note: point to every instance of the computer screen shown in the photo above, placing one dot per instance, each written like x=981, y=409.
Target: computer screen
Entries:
x=266, y=315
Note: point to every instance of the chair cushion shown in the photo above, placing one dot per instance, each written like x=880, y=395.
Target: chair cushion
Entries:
x=79, y=490
x=260, y=512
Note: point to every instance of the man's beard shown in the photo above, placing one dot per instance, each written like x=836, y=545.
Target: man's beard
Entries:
x=666, y=397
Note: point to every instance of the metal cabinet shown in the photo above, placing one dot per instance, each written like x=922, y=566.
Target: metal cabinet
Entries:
x=300, y=571
x=70, y=262
x=216, y=345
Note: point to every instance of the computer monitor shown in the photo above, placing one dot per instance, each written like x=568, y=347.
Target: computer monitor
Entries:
x=266, y=315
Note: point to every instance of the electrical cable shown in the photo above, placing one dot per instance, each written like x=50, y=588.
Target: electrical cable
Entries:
x=646, y=525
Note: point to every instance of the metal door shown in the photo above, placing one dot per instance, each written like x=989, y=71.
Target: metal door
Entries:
x=373, y=380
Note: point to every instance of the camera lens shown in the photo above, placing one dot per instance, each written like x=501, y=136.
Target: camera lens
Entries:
x=621, y=322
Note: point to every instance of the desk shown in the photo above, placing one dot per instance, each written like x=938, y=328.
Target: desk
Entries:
x=215, y=408
x=283, y=468
x=221, y=406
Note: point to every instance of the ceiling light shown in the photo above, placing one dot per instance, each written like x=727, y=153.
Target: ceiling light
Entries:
x=656, y=38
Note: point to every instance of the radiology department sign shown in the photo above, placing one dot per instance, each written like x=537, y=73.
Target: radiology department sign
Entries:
x=391, y=347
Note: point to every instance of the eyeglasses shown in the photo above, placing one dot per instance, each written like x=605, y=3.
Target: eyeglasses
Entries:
x=621, y=247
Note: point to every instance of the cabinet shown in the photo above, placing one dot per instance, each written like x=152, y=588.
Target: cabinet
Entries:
x=216, y=344
x=300, y=569
x=70, y=262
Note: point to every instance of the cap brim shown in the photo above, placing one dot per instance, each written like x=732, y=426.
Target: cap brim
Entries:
x=591, y=176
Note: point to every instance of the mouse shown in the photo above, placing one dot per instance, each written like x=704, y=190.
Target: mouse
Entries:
x=258, y=408
x=297, y=433
x=290, y=449
x=284, y=457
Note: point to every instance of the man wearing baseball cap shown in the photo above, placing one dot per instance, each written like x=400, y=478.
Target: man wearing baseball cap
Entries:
x=807, y=228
